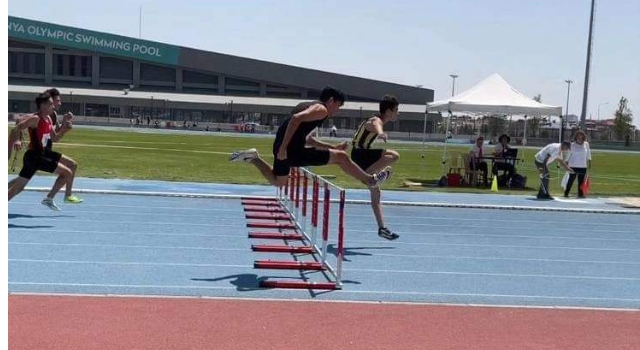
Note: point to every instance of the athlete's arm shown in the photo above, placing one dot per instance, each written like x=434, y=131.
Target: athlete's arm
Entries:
x=30, y=121
x=57, y=134
x=315, y=143
x=374, y=125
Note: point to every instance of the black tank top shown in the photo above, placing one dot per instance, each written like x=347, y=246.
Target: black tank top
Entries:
x=363, y=138
x=299, y=138
x=54, y=118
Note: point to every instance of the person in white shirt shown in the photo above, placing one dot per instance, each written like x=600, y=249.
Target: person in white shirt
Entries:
x=334, y=131
x=546, y=156
x=475, y=158
x=579, y=161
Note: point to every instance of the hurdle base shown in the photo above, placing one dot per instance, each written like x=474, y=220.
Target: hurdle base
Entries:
x=299, y=285
x=288, y=265
x=276, y=235
x=267, y=216
x=269, y=224
x=282, y=249
x=264, y=209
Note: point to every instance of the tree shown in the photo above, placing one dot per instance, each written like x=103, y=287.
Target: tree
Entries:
x=534, y=122
x=497, y=125
x=622, y=121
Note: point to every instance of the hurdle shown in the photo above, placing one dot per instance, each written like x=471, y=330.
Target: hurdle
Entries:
x=295, y=213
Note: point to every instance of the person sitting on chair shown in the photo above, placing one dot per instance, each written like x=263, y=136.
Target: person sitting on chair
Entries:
x=500, y=153
x=476, y=161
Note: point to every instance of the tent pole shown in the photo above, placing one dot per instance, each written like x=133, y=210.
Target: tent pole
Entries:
x=424, y=139
x=443, y=179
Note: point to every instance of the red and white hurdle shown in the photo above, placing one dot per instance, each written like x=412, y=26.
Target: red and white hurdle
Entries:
x=289, y=214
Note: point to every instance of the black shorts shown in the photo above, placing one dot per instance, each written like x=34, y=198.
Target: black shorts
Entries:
x=303, y=156
x=366, y=157
x=35, y=160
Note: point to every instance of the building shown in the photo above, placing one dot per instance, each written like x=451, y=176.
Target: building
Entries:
x=102, y=74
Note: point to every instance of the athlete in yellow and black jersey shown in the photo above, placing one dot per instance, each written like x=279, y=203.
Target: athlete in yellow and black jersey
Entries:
x=372, y=160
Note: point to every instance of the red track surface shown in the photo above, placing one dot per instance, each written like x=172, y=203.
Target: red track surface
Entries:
x=62, y=322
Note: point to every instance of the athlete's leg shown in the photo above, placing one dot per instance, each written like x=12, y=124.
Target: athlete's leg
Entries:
x=73, y=166
x=65, y=175
x=16, y=186
x=345, y=163
x=388, y=157
x=376, y=206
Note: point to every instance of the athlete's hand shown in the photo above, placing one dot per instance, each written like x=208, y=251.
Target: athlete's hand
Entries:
x=384, y=137
x=67, y=117
x=282, y=153
x=341, y=146
x=17, y=146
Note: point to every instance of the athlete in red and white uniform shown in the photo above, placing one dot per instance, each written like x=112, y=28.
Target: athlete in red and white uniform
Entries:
x=40, y=156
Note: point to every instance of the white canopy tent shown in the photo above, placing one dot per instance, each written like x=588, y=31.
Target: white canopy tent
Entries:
x=493, y=95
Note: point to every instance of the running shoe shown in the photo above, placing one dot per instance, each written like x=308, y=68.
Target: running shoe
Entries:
x=48, y=202
x=387, y=234
x=380, y=177
x=73, y=199
x=244, y=156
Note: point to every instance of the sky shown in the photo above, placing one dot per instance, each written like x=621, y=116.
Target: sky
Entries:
x=534, y=45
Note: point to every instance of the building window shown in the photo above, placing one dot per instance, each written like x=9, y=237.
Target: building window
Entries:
x=84, y=66
x=114, y=112
x=39, y=63
x=13, y=62
x=59, y=65
x=26, y=63
x=72, y=65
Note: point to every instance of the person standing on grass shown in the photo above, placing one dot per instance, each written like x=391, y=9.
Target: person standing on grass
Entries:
x=294, y=146
x=579, y=161
x=546, y=156
x=373, y=160
x=40, y=156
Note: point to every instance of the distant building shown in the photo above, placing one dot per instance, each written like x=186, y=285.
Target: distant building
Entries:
x=43, y=55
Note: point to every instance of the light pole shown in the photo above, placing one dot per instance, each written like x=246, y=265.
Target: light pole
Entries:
x=601, y=104
x=453, y=86
x=566, y=113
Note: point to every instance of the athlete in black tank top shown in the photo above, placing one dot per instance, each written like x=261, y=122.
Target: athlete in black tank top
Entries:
x=299, y=139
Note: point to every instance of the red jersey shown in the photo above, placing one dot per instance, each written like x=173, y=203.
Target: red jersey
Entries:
x=40, y=137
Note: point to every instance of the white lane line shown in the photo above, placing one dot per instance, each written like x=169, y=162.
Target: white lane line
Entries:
x=159, y=234
x=125, y=246
x=84, y=145
x=418, y=256
x=365, y=242
x=493, y=274
x=343, y=291
x=382, y=271
x=336, y=301
x=494, y=246
x=434, y=234
x=84, y=262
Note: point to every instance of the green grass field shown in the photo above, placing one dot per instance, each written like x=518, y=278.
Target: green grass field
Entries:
x=203, y=158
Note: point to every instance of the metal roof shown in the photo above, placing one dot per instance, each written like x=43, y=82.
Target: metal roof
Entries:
x=202, y=99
